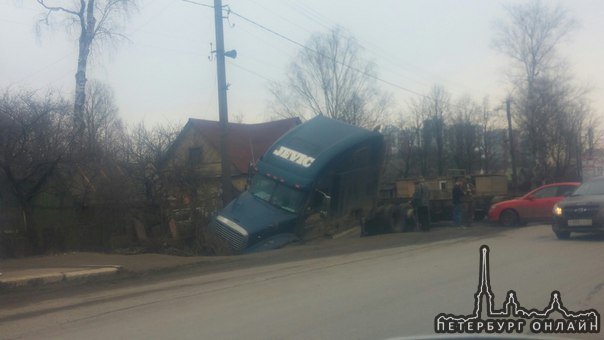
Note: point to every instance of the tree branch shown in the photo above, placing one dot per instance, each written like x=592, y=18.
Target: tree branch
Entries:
x=57, y=8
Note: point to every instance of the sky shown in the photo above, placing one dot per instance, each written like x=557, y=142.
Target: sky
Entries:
x=163, y=73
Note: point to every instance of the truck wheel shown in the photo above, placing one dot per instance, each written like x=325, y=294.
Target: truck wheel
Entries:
x=509, y=218
x=562, y=235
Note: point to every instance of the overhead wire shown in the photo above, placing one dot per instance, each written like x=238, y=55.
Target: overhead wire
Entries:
x=282, y=36
x=327, y=23
x=44, y=68
x=369, y=75
x=292, y=41
x=197, y=3
x=309, y=12
x=230, y=62
x=277, y=14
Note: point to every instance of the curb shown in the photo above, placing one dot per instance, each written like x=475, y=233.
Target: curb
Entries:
x=346, y=233
x=61, y=276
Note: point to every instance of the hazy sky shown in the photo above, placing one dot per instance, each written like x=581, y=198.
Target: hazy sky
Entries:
x=163, y=74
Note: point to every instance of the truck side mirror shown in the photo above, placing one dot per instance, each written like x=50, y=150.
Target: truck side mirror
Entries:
x=325, y=203
x=251, y=171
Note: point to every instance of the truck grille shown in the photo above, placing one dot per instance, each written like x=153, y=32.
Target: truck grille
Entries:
x=580, y=211
x=233, y=238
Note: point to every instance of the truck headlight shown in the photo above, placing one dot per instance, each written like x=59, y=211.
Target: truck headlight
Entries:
x=557, y=210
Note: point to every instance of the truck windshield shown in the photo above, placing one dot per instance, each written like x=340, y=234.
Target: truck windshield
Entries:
x=278, y=194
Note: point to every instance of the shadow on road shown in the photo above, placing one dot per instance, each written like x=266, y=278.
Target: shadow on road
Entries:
x=321, y=248
x=587, y=237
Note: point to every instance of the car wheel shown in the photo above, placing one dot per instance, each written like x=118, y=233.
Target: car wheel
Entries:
x=562, y=235
x=509, y=218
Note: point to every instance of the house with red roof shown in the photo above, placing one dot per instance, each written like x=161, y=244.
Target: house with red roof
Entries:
x=193, y=162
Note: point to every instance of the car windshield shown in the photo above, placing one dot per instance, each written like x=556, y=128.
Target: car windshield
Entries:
x=590, y=188
x=278, y=194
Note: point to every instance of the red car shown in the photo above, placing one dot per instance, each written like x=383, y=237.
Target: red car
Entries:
x=537, y=205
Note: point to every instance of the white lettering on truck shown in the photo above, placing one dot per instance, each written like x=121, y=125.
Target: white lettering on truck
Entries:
x=294, y=156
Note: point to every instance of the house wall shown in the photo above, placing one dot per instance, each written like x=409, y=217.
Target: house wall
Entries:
x=194, y=190
x=210, y=157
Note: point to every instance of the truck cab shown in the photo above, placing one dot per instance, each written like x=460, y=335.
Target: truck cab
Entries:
x=320, y=175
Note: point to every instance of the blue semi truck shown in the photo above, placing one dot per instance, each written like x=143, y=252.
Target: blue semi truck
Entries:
x=318, y=178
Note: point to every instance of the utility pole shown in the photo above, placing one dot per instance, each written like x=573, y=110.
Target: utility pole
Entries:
x=580, y=152
x=222, y=107
x=511, y=139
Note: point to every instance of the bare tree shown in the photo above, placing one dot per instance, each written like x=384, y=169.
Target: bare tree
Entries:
x=464, y=134
x=530, y=37
x=148, y=145
x=101, y=150
x=415, y=125
x=98, y=21
x=430, y=112
x=35, y=138
x=104, y=131
x=488, y=137
x=331, y=77
x=407, y=149
x=147, y=149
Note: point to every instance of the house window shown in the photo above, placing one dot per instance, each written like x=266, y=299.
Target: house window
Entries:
x=195, y=156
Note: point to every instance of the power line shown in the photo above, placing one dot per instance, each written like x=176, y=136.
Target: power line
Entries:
x=197, y=3
x=282, y=36
x=230, y=11
x=277, y=14
x=307, y=12
x=269, y=30
x=250, y=71
x=44, y=68
x=322, y=54
x=397, y=62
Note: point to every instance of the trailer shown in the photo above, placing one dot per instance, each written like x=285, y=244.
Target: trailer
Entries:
x=488, y=189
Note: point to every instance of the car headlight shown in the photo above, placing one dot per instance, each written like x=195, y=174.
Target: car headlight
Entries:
x=557, y=210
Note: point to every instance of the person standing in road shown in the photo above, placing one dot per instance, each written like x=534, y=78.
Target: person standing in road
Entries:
x=457, y=196
x=469, y=191
x=421, y=205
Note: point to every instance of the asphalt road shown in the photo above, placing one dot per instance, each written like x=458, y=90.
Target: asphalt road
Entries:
x=388, y=286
